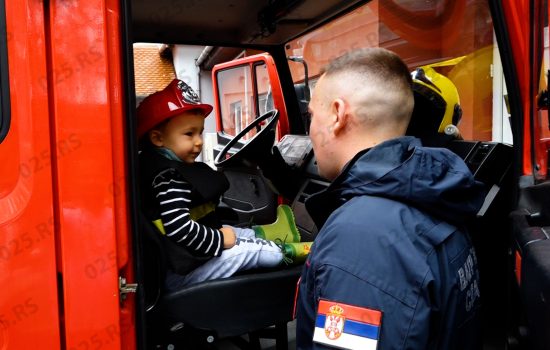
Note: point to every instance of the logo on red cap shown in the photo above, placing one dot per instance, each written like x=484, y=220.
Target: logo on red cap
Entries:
x=187, y=93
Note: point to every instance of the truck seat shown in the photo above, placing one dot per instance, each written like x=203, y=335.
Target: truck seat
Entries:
x=247, y=303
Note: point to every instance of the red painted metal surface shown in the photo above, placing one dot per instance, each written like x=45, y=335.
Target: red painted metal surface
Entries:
x=118, y=128
x=86, y=104
x=29, y=296
x=527, y=62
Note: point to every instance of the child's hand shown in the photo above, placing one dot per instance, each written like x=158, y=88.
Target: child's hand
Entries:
x=229, y=237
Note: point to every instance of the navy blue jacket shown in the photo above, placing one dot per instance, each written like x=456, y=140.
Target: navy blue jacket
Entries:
x=393, y=240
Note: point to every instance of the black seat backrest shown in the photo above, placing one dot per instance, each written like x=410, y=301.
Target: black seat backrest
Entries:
x=154, y=262
x=489, y=162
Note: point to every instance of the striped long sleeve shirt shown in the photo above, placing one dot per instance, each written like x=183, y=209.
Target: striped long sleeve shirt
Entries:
x=174, y=198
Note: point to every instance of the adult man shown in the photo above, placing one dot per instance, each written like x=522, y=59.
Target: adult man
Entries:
x=391, y=267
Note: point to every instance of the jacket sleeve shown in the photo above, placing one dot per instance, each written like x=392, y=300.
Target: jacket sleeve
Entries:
x=402, y=326
x=173, y=194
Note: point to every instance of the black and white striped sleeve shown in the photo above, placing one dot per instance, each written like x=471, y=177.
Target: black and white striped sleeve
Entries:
x=174, y=198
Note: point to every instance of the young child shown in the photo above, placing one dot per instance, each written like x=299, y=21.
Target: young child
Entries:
x=180, y=197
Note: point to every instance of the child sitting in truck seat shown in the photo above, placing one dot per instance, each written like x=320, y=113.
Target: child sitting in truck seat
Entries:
x=180, y=197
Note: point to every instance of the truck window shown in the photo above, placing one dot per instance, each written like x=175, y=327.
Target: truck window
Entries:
x=424, y=34
x=236, y=99
x=5, y=110
x=244, y=94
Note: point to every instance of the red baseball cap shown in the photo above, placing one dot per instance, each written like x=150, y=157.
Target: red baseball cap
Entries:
x=174, y=99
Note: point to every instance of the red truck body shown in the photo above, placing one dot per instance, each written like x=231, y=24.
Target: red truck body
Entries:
x=66, y=242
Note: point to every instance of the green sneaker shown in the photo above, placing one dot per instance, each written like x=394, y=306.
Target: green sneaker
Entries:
x=295, y=253
x=283, y=229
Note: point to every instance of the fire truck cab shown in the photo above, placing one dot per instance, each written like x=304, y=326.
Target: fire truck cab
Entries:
x=78, y=262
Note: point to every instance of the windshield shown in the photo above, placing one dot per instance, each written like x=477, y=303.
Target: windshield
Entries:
x=424, y=34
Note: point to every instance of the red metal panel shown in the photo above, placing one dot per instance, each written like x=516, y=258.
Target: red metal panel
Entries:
x=536, y=49
x=29, y=295
x=87, y=103
x=527, y=62
x=119, y=188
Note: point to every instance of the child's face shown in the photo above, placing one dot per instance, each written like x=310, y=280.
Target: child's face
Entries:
x=182, y=134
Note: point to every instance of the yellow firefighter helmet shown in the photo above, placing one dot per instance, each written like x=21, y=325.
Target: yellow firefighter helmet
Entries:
x=437, y=104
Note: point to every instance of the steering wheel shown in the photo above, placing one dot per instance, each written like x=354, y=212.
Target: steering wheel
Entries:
x=259, y=145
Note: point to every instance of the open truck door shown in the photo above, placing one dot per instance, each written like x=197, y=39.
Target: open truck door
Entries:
x=529, y=102
x=65, y=244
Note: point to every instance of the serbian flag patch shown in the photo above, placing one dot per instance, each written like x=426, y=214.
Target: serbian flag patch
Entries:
x=346, y=326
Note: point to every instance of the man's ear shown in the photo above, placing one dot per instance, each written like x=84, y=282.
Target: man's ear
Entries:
x=155, y=136
x=340, y=115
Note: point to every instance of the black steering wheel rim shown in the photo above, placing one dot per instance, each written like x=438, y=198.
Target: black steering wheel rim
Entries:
x=265, y=135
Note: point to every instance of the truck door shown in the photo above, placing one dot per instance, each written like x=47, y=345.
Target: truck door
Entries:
x=64, y=237
x=29, y=311
x=528, y=30
x=85, y=87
